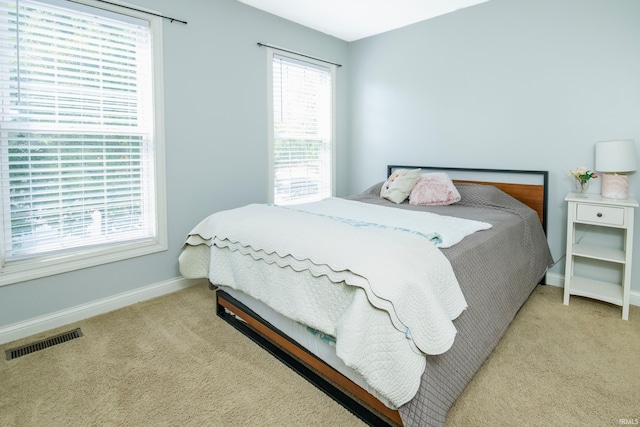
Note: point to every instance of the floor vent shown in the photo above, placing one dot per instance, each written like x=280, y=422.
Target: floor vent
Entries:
x=41, y=345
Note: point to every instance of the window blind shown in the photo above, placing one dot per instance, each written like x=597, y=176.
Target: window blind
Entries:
x=75, y=128
x=302, y=103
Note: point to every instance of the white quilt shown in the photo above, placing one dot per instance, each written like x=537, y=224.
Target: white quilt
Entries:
x=406, y=294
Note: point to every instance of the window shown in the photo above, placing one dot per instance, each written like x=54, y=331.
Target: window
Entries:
x=81, y=160
x=302, y=144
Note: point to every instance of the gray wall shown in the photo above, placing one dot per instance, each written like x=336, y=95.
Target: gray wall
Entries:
x=527, y=84
x=516, y=84
x=216, y=143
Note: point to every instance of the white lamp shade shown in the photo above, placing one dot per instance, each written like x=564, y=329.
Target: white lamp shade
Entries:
x=616, y=156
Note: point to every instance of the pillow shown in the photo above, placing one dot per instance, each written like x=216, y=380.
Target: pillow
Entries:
x=434, y=189
x=399, y=185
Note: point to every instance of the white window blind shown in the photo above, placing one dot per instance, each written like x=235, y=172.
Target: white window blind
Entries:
x=76, y=128
x=302, y=125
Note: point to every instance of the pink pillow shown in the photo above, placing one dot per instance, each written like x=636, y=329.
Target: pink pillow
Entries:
x=434, y=189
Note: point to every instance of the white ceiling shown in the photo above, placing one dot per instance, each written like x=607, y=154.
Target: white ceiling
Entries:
x=355, y=19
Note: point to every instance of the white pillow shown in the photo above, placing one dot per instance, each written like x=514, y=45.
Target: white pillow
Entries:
x=434, y=189
x=399, y=185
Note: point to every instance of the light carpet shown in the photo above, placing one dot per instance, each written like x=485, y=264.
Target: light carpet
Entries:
x=171, y=361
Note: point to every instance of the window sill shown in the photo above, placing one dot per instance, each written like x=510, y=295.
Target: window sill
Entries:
x=37, y=267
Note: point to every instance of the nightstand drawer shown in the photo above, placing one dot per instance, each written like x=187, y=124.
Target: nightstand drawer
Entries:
x=600, y=214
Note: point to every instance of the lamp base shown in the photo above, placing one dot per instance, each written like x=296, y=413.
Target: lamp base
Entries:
x=615, y=186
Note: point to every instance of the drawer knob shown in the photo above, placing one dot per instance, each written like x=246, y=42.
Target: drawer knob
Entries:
x=599, y=215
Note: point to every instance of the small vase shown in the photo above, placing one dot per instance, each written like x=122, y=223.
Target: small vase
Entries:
x=582, y=186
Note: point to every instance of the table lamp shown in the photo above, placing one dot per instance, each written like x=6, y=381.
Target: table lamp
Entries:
x=613, y=160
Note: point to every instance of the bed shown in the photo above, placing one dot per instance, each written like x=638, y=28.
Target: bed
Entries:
x=496, y=267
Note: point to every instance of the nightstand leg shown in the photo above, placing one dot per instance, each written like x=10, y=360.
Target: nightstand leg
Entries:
x=568, y=271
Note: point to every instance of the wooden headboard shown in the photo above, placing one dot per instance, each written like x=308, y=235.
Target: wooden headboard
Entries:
x=533, y=195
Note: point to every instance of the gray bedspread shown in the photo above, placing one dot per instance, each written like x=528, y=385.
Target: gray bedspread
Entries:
x=497, y=270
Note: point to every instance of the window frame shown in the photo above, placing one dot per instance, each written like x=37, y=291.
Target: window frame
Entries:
x=271, y=52
x=56, y=262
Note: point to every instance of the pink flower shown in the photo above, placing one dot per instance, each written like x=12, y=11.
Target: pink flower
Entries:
x=582, y=174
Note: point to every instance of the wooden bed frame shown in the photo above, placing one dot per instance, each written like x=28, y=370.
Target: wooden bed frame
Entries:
x=354, y=398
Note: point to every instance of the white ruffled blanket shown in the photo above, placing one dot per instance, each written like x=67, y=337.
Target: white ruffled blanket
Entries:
x=387, y=253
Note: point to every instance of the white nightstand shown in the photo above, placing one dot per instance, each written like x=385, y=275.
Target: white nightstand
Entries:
x=594, y=210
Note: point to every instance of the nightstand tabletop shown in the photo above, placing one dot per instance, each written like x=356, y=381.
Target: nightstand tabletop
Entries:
x=596, y=198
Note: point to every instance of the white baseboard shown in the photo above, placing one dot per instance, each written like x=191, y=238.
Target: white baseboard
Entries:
x=554, y=279
x=64, y=317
